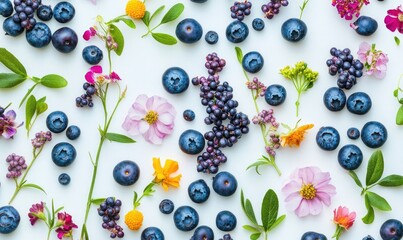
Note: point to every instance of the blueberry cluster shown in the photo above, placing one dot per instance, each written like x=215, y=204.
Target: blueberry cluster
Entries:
x=86, y=98
x=240, y=9
x=226, y=237
x=344, y=64
x=273, y=7
x=220, y=106
x=109, y=211
x=24, y=12
x=16, y=165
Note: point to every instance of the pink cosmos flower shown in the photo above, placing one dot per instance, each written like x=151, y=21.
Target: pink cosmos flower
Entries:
x=343, y=220
x=89, y=33
x=8, y=128
x=394, y=19
x=307, y=190
x=152, y=117
x=349, y=8
x=36, y=212
x=66, y=225
x=375, y=61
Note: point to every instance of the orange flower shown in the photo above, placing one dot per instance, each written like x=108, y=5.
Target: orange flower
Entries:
x=162, y=174
x=295, y=136
x=343, y=218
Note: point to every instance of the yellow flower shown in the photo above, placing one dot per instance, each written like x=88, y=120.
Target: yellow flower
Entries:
x=295, y=136
x=135, y=9
x=162, y=174
x=134, y=219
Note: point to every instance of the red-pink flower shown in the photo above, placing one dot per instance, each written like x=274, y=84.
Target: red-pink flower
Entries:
x=36, y=212
x=66, y=225
x=114, y=77
x=89, y=33
x=394, y=19
x=349, y=8
x=8, y=128
x=343, y=220
x=94, y=74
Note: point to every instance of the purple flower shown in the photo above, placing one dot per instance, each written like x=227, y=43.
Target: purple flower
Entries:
x=36, y=212
x=8, y=128
x=66, y=225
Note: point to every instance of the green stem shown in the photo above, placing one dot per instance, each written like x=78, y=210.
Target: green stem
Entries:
x=49, y=231
x=150, y=30
x=265, y=235
x=5, y=108
x=303, y=8
x=338, y=232
x=115, y=19
x=110, y=60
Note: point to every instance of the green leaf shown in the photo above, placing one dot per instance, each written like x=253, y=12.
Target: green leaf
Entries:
x=135, y=196
x=277, y=222
x=146, y=18
x=31, y=185
x=12, y=63
x=9, y=80
x=391, y=181
x=53, y=81
x=164, y=38
x=30, y=109
x=269, y=209
x=399, y=116
x=239, y=54
x=115, y=137
x=157, y=12
x=257, y=164
x=397, y=41
x=118, y=38
x=378, y=202
x=255, y=236
x=128, y=22
x=27, y=94
x=369, y=218
x=396, y=92
x=59, y=209
x=41, y=107
x=355, y=178
x=97, y=201
x=375, y=168
x=173, y=13
x=250, y=228
x=249, y=212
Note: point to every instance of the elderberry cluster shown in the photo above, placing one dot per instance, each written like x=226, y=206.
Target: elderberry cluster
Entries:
x=240, y=9
x=109, y=211
x=86, y=98
x=273, y=7
x=16, y=165
x=220, y=107
x=25, y=10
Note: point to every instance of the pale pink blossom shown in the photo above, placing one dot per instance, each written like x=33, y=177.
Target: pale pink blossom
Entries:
x=153, y=118
x=375, y=61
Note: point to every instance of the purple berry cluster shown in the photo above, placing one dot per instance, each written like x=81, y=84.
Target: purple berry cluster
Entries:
x=273, y=7
x=41, y=138
x=220, y=106
x=109, y=211
x=16, y=165
x=241, y=9
x=24, y=12
x=226, y=237
x=266, y=117
x=86, y=98
x=257, y=85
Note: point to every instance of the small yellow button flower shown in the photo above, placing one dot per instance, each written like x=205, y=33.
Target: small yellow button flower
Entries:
x=134, y=219
x=135, y=9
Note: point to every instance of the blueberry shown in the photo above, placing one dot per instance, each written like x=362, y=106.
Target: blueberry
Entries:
x=293, y=30
x=225, y=221
x=44, y=13
x=369, y=237
x=9, y=219
x=63, y=154
x=275, y=95
x=365, y=26
x=39, y=36
x=211, y=37
x=252, y=62
x=12, y=28
x=313, y=236
x=73, y=132
x=374, y=134
x=198, y=1
x=334, y=99
x=6, y=8
x=359, y=103
x=189, y=30
x=186, y=218
x=92, y=54
x=64, y=40
x=391, y=229
x=353, y=133
x=350, y=157
x=225, y=184
x=188, y=115
x=57, y=121
x=126, y=173
x=198, y=191
x=152, y=233
x=175, y=80
x=258, y=24
x=63, y=12
x=328, y=138
x=237, y=32
x=64, y=179
x=203, y=233
x=166, y=206
x=191, y=142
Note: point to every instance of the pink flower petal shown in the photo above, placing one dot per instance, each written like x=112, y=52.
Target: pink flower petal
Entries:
x=391, y=23
x=292, y=203
x=166, y=129
x=89, y=76
x=166, y=118
x=10, y=115
x=87, y=35
x=291, y=187
x=142, y=100
x=303, y=209
x=9, y=132
x=307, y=175
x=315, y=206
x=324, y=197
x=96, y=69
x=165, y=108
x=143, y=127
x=393, y=13
x=152, y=137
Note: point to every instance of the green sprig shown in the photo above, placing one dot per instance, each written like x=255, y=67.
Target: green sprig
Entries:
x=33, y=109
x=397, y=93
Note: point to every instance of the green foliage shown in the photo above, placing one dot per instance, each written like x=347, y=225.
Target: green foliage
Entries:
x=397, y=93
x=115, y=137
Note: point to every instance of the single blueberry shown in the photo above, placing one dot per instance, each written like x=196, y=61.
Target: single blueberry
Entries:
x=63, y=12
x=391, y=229
x=294, y=30
x=237, y=32
x=73, y=132
x=126, y=173
x=369, y=237
x=39, y=36
x=353, y=133
x=64, y=40
x=9, y=219
x=198, y=191
x=191, y=142
x=6, y=8
x=152, y=233
x=44, y=13
x=12, y=28
x=186, y=218
x=334, y=99
x=189, y=115
x=365, y=26
x=211, y=37
x=63, y=154
x=225, y=221
x=313, y=236
x=374, y=134
x=275, y=95
x=350, y=157
x=166, y=206
x=252, y=62
x=359, y=103
x=92, y=54
x=258, y=24
x=198, y=1
x=57, y=121
x=225, y=184
x=203, y=233
x=328, y=138
x=64, y=179
x=189, y=30
x=175, y=80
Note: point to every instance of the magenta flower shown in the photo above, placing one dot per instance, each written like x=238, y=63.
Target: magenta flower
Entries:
x=114, y=77
x=152, y=117
x=36, y=212
x=94, y=74
x=89, y=33
x=66, y=225
x=8, y=128
x=307, y=190
x=375, y=61
x=394, y=19
x=349, y=8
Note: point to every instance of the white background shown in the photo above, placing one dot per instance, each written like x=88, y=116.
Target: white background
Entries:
x=141, y=66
